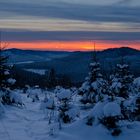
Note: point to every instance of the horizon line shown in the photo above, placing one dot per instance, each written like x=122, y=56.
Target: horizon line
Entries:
x=35, y=49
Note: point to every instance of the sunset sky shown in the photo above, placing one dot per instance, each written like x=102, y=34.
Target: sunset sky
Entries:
x=70, y=25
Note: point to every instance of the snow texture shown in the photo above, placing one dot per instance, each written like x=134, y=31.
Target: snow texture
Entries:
x=137, y=82
x=112, y=109
x=11, y=81
x=64, y=94
x=29, y=123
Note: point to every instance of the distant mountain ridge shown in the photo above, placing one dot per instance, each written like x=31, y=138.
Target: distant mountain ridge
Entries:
x=109, y=49
x=74, y=64
x=18, y=55
x=122, y=51
x=15, y=50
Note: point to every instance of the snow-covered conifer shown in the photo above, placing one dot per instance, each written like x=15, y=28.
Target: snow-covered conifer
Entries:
x=67, y=112
x=122, y=82
x=6, y=82
x=93, y=88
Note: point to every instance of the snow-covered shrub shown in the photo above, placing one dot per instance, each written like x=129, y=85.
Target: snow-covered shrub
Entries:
x=33, y=93
x=6, y=89
x=108, y=114
x=12, y=97
x=58, y=89
x=49, y=106
x=137, y=83
x=96, y=113
x=15, y=97
x=74, y=90
x=48, y=101
x=65, y=108
x=64, y=94
x=25, y=89
x=131, y=108
x=11, y=81
x=112, y=115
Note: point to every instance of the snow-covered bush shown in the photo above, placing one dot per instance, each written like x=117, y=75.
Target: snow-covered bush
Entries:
x=66, y=111
x=33, y=93
x=74, y=90
x=122, y=81
x=9, y=96
x=96, y=113
x=64, y=94
x=108, y=114
x=137, y=83
x=12, y=97
x=11, y=81
x=112, y=115
x=49, y=106
x=131, y=108
x=15, y=97
x=48, y=101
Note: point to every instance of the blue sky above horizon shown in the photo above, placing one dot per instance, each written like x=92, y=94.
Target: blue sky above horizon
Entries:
x=70, y=20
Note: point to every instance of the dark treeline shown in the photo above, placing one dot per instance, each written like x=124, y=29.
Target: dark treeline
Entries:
x=49, y=80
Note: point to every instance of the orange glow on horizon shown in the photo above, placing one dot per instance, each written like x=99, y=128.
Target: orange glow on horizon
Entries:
x=73, y=45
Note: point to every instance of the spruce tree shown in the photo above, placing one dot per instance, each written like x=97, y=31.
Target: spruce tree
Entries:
x=65, y=106
x=122, y=87
x=122, y=81
x=4, y=76
x=93, y=88
x=64, y=98
x=7, y=96
x=4, y=70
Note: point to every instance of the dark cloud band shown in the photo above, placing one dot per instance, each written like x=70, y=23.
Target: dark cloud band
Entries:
x=112, y=13
x=69, y=36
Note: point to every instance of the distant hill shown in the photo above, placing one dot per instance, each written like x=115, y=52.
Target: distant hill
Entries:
x=123, y=51
x=28, y=56
x=74, y=64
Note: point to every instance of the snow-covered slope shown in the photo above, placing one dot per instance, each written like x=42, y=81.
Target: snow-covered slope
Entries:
x=30, y=123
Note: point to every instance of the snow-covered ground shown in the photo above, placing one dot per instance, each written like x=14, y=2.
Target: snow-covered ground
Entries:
x=30, y=123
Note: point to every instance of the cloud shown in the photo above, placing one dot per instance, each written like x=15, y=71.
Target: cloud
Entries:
x=38, y=24
x=97, y=13
x=130, y=3
x=70, y=20
x=69, y=36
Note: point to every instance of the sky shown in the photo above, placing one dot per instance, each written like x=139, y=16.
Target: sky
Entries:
x=70, y=24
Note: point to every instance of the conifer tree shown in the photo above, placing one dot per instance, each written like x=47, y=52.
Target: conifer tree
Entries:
x=4, y=74
x=4, y=69
x=92, y=89
x=6, y=82
x=122, y=81
x=122, y=87
x=67, y=111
